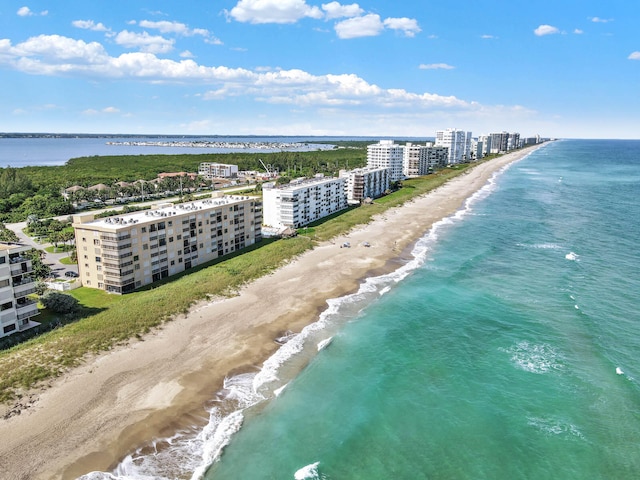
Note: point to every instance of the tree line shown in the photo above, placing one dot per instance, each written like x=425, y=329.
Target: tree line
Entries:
x=38, y=190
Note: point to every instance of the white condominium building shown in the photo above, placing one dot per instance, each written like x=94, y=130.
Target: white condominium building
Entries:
x=217, y=170
x=366, y=182
x=16, y=282
x=485, y=140
x=121, y=253
x=386, y=154
x=423, y=159
x=302, y=202
x=458, y=141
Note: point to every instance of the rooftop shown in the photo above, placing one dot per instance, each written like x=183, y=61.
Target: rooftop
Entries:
x=160, y=211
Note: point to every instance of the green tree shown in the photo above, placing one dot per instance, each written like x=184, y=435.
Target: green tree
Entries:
x=7, y=235
x=12, y=180
x=59, y=302
x=40, y=269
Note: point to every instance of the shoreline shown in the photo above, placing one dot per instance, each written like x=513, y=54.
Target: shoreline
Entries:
x=92, y=417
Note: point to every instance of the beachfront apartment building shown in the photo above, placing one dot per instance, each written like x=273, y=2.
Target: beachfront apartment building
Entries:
x=386, y=154
x=121, y=253
x=367, y=182
x=502, y=142
x=16, y=283
x=458, y=142
x=421, y=160
x=302, y=201
x=211, y=171
x=485, y=150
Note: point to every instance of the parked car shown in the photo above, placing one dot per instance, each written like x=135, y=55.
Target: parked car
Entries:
x=70, y=274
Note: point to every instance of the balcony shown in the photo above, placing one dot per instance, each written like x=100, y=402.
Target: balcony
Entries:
x=28, y=314
x=20, y=268
x=24, y=288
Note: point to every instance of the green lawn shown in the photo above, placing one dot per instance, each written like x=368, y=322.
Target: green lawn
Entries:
x=117, y=319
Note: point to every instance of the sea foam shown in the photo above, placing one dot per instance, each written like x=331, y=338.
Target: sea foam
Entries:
x=195, y=452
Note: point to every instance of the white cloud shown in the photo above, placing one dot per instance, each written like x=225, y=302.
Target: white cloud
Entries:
x=371, y=25
x=545, y=30
x=54, y=55
x=90, y=25
x=366, y=26
x=144, y=42
x=26, y=12
x=577, y=31
x=173, y=27
x=488, y=37
x=56, y=50
x=436, y=66
x=408, y=25
x=336, y=10
x=186, y=54
x=273, y=11
x=634, y=56
x=601, y=20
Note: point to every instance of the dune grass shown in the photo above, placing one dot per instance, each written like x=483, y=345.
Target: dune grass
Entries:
x=114, y=320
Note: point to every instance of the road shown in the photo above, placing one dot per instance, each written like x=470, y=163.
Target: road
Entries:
x=53, y=259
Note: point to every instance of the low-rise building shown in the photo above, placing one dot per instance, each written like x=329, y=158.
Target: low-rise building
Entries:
x=121, y=253
x=16, y=282
x=366, y=182
x=210, y=171
x=303, y=201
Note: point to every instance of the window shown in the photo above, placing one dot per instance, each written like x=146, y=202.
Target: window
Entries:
x=145, y=246
x=3, y=259
x=9, y=328
x=96, y=241
x=135, y=258
x=6, y=306
x=4, y=283
x=98, y=259
x=143, y=229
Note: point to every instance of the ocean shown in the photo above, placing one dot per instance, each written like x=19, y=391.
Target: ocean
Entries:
x=506, y=348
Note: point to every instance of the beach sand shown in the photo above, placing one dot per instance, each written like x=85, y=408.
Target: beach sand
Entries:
x=92, y=417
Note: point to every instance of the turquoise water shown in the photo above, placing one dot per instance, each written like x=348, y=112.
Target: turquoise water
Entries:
x=506, y=349
x=496, y=358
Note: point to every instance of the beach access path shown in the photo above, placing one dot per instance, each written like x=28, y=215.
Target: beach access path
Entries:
x=93, y=416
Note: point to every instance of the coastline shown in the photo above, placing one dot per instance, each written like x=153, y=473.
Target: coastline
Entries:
x=92, y=417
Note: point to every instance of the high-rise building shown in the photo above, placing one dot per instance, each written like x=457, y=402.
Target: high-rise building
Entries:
x=121, y=253
x=458, y=142
x=386, y=154
x=366, y=182
x=421, y=160
x=16, y=282
x=301, y=202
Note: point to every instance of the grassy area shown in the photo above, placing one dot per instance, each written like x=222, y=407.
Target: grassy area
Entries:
x=67, y=261
x=59, y=248
x=117, y=319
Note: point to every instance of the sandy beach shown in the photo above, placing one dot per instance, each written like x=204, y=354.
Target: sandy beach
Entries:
x=94, y=416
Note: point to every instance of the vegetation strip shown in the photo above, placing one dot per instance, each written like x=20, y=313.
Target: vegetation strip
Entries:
x=53, y=353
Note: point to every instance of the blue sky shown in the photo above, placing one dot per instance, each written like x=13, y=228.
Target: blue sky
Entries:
x=562, y=68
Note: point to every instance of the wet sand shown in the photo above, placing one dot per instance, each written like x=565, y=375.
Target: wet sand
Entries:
x=92, y=417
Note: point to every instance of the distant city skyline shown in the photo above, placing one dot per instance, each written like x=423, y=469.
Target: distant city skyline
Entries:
x=299, y=67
